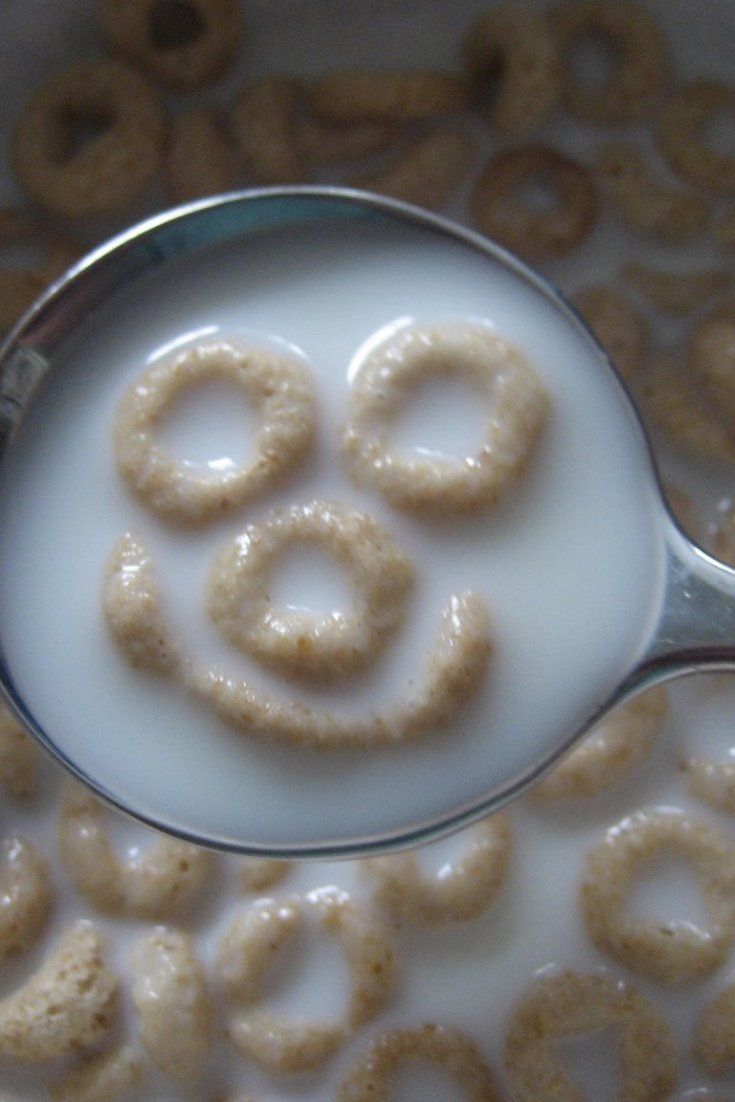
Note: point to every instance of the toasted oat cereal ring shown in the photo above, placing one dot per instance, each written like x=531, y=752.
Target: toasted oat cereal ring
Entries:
x=328, y=644
x=110, y=171
x=454, y=672
x=103, y=1077
x=19, y=758
x=569, y=1004
x=675, y=405
x=132, y=606
x=263, y=124
x=256, y=874
x=714, y=1037
x=356, y=95
x=427, y=172
x=611, y=751
x=252, y=944
x=647, y=206
x=501, y=210
x=514, y=50
x=26, y=895
x=164, y=881
x=677, y=293
x=171, y=997
x=682, y=128
x=198, y=159
x=461, y=890
x=638, y=52
x=666, y=952
x=184, y=43
x=516, y=410
x=323, y=142
x=619, y=327
x=281, y=391
x=725, y=232
x=69, y=1004
x=713, y=782
x=711, y=358
x=20, y=286
x=370, y=1076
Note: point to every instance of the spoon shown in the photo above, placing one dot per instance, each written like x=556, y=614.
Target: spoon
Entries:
x=691, y=625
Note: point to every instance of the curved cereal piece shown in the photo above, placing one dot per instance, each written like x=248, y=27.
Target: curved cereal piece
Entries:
x=673, y=403
x=618, y=325
x=69, y=1004
x=21, y=286
x=327, y=645
x=714, y=1038
x=639, y=62
x=725, y=232
x=370, y=1076
x=111, y=171
x=186, y=46
x=568, y=1004
x=356, y=95
x=461, y=890
x=501, y=210
x=648, y=207
x=280, y=389
x=257, y=874
x=263, y=125
x=172, y=1001
x=682, y=127
x=712, y=782
x=427, y=172
x=100, y=1078
x=666, y=952
x=198, y=160
x=132, y=606
x=677, y=293
x=19, y=758
x=164, y=881
x=251, y=945
x=26, y=895
x=515, y=51
x=323, y=142
x=711, y=358
x=611, y=751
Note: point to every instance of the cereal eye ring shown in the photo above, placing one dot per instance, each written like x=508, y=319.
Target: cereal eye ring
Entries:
x=464, y=889
x=369, y=1078
x=263, y=123
x=667, y=953
x=516, y=49
x=184, y=43
x=428, y=171
x=26, y=895
x=677, y=293
x=619, y=327
x=131, y=604
x=280, y=389
x=571, y=1003
x=323, y=142
x=500, y=210
x=112, y=170
x=614, y=748
x=325, y=645
x=681, y=127
x=714, y=1041
x=517, y=406
x=712, y=357
x=100, y=1078
x=679, y=408
x=357, y=95
x=639, y=49
x=249, y=948
x=164, y=881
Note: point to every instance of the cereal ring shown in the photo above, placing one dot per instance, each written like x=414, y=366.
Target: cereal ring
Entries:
x=619, y=327
x=259, y=873
x=112, y=170
x=677, y=293
x=264, y=128
x=514, y=51
x=638, y=48
x=517, y=407
x=455, y=670
x=100, y=1078
x=21, y=286
x=499, y=206
x=611, y=751
x=712, y=782
x=19, y=758
x=714, y=1040
x=712, y=359
x=279, y=388
x=568, y=1004
x=252, y=943
x=165, y=881
x=198, y=160
x=461, y=890
x=356, y=95
x=25, y=895
x=172, y=1000
x=725, y=232
x=184, y=43
x=323, y=142
x=70, y=1003
x=427, y=172
x=672, y=952
x=682, y=127
x=682, y=507
x=322, y=645
x=676, y=406
x=131, y=604
x=648, y=207
x=369, y=1078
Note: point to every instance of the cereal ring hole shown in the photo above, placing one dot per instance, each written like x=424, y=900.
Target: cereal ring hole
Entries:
x=593, y=60
x=539, y=194
x=667, y=889
x=209, y=413
x=77, y=129
x=173, y=24
x=308, y=979
x=591, y=1061
x=308, y=580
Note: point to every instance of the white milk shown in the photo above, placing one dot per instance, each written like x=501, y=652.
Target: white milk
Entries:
x=569, y=563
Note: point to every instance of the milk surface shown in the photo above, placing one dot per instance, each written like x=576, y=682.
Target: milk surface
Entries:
x=570, y=562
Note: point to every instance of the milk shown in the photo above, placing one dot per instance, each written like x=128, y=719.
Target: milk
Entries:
x=570, y=563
